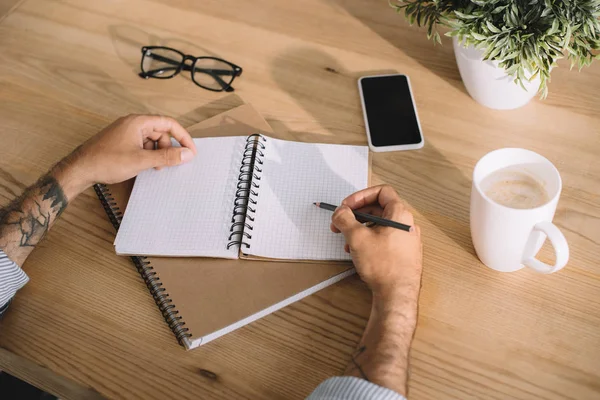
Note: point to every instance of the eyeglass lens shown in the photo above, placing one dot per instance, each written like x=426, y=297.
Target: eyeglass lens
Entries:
x=213, y=74
x=161, y=63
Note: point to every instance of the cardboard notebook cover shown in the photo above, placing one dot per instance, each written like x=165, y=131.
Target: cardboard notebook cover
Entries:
x=216, y=296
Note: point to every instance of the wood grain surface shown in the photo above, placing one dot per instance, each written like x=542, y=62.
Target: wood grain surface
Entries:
x=86, y=326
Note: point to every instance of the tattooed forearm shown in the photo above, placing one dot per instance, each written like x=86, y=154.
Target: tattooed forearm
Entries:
x=356, y=363
x=383, y=352
x=26, y=219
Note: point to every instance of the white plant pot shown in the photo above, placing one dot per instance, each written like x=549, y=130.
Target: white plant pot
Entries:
x=488, y=84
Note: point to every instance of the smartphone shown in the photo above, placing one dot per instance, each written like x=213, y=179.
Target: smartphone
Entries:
x=390, y=113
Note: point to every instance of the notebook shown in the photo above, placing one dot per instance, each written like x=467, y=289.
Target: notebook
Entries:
x=244, y=196
x=202, y=299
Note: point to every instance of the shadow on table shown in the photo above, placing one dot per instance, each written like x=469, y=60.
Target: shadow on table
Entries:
x=427, y=179
x=128, y=40
x=382, y=19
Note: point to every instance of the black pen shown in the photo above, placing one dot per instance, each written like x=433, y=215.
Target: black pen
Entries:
x=368, y=218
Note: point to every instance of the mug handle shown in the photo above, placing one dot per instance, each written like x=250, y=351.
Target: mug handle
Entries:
x=561, y=249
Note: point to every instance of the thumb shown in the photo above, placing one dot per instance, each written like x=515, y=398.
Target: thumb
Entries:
x=345, y=221
x=168, y=156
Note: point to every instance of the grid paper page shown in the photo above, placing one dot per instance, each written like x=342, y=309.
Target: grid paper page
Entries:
x=295, y=175
x=185, y=210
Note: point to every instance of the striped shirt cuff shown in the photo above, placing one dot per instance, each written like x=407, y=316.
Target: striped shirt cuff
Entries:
x=12, y=278
x=352, y=388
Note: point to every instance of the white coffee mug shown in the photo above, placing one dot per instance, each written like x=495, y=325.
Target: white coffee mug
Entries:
x=507, y=239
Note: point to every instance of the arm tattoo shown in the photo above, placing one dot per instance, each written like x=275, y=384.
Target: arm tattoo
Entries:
x=355, y=355
x=26, y=219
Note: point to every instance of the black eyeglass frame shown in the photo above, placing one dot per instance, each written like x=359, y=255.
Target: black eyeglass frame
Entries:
x=236, y=70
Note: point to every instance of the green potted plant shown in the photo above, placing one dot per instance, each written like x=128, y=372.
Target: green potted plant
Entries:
x=506, y=49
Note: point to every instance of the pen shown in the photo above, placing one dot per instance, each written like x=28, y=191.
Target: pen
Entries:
x=368, y=218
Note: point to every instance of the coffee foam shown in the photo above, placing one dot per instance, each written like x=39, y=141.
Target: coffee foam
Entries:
x=513, y=187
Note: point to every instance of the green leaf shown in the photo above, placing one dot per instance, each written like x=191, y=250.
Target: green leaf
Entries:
x=512, y=70
x=546, y=12
x=512, y=18
x=502, y=42
x=496, y=50
x=464, y=16
x=491, y=27
x=567, y=39
x=571, y=50
x=537, y=72
x=478, y=36
x=554, y=28
x=591, y=28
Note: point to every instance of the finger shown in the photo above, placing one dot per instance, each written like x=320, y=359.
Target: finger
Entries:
x=347, y=248
x=167, y=157
x=373, y=209
x=164, y=141
x=156, y=125
x=148, y=145
x=334, y=229
x=343, y=219
x=396, y=211
x=382, y=194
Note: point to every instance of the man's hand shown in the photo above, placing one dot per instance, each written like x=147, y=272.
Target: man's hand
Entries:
x=387, y=259
x=119, y=152
x=390, y=262
x=122, y=150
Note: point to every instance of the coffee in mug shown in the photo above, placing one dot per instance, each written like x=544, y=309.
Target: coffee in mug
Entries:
x=513, y=199
x=513, y=187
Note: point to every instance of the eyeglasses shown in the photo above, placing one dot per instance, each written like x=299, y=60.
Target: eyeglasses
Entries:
x=207, y=72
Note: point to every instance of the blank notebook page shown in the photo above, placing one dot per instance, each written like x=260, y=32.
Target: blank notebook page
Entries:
x=295, y=175
x=185, y=210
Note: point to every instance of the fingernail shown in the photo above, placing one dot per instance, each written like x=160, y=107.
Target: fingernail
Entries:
x=186, y=155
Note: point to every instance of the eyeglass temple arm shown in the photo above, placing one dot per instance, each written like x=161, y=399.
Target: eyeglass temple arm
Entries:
x=164, y=59
x=211, y=71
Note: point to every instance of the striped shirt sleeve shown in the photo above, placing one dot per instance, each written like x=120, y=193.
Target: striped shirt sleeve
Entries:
x=12, y=278
x=352, y=388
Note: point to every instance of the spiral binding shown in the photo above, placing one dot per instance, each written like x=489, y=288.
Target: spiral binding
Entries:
x=244, y=205
x=144, y=267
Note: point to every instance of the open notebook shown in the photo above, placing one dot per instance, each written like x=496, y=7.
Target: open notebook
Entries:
x=202, y=298
x=244, y=195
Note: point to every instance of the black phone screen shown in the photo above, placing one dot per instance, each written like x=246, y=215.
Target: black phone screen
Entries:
x=390, y=111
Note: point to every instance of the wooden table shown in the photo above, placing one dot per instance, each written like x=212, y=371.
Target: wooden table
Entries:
x=85, y=325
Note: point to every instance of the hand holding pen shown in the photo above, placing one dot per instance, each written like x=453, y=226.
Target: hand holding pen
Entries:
x=385, y=258
x=363, y=217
